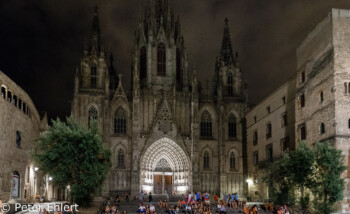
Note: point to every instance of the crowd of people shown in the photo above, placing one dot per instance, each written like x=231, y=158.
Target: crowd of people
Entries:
x=197, y=203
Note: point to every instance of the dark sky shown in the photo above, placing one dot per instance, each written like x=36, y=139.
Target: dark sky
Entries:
x=41, y=41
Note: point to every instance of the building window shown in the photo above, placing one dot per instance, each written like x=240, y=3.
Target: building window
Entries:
x=268, y=130
x=143, y=63
x=302, y=132
x=9, y=96
x=268, y=110
x=3, y=92
x=349, y=123
x=121, y=159
x=255, y=158
x=14, y=100
x=92, y=115
x=284, y=119
x=18, y=139
x=206, y=124
x=345, y=88
x=16, y=185
x=303, y=76
x=302, y=100
x=161, y=59
x=322, y=128
x=120, y=121
x=269, y=153
x=284, y=100
x=93, y=77
x=28, y=174
x=254, y=119
x=24, y=107
x=321, y=96
x=285, y=144
x=232, y=160
x=232, y=126
x=178, y=70
x=206, y=160
x=19, y=103
x=255, y=137
x=230, y=84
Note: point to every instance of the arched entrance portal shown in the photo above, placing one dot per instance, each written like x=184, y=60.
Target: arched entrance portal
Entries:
x=165, y=168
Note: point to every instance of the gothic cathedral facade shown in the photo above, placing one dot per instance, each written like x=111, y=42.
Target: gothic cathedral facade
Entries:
x=169, y=133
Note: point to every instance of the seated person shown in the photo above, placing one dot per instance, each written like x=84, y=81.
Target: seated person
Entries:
x=223, y=210
x=152, y=209
x=142, y=209
x=183, y=203
x=188, y=208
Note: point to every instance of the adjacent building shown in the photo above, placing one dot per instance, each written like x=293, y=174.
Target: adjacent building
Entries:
x=313, y=106
x=20, y=125
x=270, y=132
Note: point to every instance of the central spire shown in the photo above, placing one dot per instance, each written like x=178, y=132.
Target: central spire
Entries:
x=95, y=40
x=226, y=54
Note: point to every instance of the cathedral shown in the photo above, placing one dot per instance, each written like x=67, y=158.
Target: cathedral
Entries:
x=170, y=133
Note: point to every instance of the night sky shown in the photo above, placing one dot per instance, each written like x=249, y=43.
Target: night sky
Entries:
x=41, y=41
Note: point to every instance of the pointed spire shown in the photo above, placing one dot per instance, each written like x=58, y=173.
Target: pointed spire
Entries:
x=95, y=40
x=111, y=69
x=226, y=54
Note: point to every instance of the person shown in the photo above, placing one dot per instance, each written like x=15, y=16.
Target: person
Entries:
x=172, y=210
x=279, y=210
x=147, y=210
x=152, y=209
x=183, y=203
x=114, y=209
x=287, y=212
x=127, y=198
x=124, y=212
x=188, y=209
x=165, y=205
x=223, y=210
x=245, y=209
x=253, y=210
x=107, y=209
x=160, y=205
x=142, y=209
x=271, y=206
x=150, y=199
x=225, y=197
x=141, y=197
x=284, y=208
x=218, y=206
x=266, y=207
x=189, y=198
x=117, y=202
x=198, y=196
x=216, y=198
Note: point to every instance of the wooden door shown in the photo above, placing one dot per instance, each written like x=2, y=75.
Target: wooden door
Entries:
x=158, y=184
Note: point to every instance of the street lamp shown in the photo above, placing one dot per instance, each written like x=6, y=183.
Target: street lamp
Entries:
x=50, y=178
x=36, y=169
x=249, y=181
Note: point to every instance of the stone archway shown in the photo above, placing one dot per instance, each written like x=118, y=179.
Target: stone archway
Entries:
x=165, y=167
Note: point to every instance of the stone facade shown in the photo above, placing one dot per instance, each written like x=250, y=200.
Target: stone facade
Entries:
x=317, y=103
x=170, y=133
x=270, y=132
x=20, y=125
x=323, y=82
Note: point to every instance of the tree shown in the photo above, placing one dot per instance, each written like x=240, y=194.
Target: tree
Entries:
x=73, y=155
x=298, y=169
x=315, y=170
x=328, y=187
